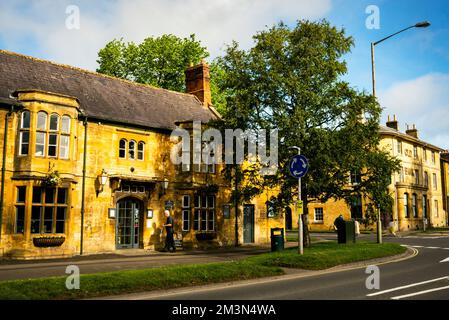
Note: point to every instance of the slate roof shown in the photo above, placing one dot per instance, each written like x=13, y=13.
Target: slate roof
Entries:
x=101, y=97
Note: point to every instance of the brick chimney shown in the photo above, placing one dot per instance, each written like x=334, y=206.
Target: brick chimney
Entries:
x=412, y=132
x=198, y=82
x=393, y=124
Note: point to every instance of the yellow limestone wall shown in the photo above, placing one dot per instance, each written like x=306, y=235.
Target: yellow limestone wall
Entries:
x=102, y=153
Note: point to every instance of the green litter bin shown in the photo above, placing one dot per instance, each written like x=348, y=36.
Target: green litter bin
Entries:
x=277, y=239
x=346, y=232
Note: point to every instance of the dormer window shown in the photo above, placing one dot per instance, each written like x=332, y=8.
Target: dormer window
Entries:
x=140, y=150
x=122, y=149
x=132, y=150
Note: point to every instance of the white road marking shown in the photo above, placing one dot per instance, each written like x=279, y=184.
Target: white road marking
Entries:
x=407, y=286
x=420, y=293
x=418, y=246
x=432, y=247
x=445, y=260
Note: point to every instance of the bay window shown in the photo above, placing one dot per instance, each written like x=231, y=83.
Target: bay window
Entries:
x=19, y=227
x=49, y=210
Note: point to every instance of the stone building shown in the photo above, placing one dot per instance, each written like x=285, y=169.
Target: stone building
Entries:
x=86, y=165
x=418, y=189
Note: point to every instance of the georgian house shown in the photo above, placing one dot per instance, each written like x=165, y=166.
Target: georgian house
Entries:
x=418, y=189
x=86, y=165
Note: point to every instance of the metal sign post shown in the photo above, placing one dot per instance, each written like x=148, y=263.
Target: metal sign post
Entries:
x=299, y=165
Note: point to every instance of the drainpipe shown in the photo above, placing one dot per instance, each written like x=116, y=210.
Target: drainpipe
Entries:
x=83, y=188
x=2, y=192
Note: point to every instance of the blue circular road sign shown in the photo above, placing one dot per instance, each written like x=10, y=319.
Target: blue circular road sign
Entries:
x=299, y=165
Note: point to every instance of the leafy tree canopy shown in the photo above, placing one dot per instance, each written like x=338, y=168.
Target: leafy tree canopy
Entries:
x=160, y=61
x=291, y=80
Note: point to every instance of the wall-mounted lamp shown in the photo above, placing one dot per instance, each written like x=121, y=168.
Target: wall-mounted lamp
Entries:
x=102, y=180
x=165, y=184
x=112, y=213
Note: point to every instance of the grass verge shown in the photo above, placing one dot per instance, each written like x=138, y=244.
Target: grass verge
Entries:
x=325, y=255
x=320, y=256
x=121, y=282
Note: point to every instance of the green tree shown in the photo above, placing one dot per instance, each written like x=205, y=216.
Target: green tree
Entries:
x=160, y=61
x=291, y=80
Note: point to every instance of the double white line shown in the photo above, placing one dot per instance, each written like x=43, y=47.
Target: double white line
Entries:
x=411, y=286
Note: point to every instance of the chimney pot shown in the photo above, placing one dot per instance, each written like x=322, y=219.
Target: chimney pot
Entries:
x=413, y=132
x=393, y=124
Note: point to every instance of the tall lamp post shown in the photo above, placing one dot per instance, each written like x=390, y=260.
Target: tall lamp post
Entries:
x=423, y=24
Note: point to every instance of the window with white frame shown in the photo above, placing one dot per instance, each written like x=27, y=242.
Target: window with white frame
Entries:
x=414, y=206
x=406, y=210
x=415, y=152
x=435, y=208
x=140, y=150
x=416, y=173
x=399, y=147
x=132, y=150
x=426, y=179
x=434, y=181
x=185, y=213
x=402, y=175
x=19, y=227
x=41, y=134
x=319, y=214
x=64, y=144
x=433, y=157
x=122, y=148
x=52, y=136
x=24, y=134
x=204, y=213
x=424, y=152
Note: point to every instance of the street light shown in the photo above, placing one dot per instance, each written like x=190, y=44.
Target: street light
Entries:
x=300, y=224
x=423, y=24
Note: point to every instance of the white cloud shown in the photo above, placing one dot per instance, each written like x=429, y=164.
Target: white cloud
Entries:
x=423, y=101
x=215, y=22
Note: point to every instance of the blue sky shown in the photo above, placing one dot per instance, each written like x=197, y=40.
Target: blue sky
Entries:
x=412, y=68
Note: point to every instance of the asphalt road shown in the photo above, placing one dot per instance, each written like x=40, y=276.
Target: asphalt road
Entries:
x=421, y=277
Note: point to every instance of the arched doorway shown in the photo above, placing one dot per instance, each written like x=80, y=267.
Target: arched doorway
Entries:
x=288, y=219
x=129, y=223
